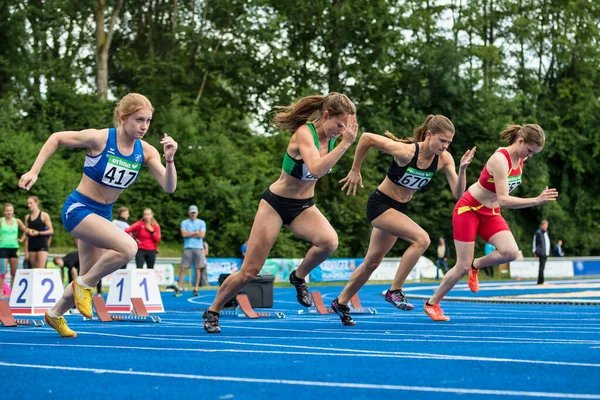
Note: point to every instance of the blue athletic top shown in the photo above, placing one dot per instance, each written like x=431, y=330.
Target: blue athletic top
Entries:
x=111, y=168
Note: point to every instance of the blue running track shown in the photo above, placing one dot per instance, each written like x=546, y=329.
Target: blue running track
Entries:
x=487, y=350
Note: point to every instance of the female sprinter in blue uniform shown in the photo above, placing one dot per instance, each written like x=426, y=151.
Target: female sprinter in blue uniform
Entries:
x=113, y=162
x=415, y=162
x=289, y=201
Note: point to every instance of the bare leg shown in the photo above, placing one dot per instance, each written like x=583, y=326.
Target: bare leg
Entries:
x=312, y=226
x=98, y=232
x=38, y=259
x=88, y=256
x=263, y=235
x=197, y=280
x=464, y=257
x=103, y=248
x=14, y=264
x=381, y=243
x=506, y=250
x=2, y=278
x=401, y=226
x=182, y=272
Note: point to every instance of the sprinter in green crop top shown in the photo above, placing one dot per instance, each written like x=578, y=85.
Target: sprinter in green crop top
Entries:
x=297, y=168
x=289, y=201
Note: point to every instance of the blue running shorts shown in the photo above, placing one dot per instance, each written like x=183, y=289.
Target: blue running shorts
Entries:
x=78, y=206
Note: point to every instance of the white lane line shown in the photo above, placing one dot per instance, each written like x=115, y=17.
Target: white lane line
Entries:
x=343, y=351
x=310, y=383
x=341, y=331
x=406, y=337
x=424, y=321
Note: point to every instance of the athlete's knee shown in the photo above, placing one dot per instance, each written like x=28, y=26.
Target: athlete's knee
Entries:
x=509, y=254
x=422, y=241
x=247, y=274
x=371, y=264
x=328, y=244
x=128, y=248
x=463, y=266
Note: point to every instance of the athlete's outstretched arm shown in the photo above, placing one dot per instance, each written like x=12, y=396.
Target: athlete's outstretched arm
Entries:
x=87, y=138
x=458, y=183
x=498, y=167
x=165, y=176
x=366, y=141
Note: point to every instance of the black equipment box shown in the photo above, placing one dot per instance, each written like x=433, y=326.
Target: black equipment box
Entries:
x=259, y=291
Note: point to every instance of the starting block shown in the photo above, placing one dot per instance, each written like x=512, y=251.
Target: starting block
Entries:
x=244, y=309
x=7, y=319
x=318, y=306
x=357, y=308
x=138, y=314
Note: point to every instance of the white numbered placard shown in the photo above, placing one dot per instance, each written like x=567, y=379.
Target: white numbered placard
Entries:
x=129, y=283
x=35, y=291
x=165, y=274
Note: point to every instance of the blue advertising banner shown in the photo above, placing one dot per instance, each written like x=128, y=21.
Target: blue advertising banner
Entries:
x=218, y=266
x=335, y=270
x=280, y=268
x=586, y=268
x=332, y=270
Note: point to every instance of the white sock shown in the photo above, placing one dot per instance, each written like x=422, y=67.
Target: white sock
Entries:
x=80, y=283
x=51, y=314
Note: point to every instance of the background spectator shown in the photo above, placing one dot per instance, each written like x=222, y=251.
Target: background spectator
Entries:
x=9, y=242
x=541, y=248
x=147, y=235
x=39, y=228
x=122, y=217
x=243, y=249
x=489, y=271
x=193, y=231
x=558, y=250
x=70, y=262
x=442, y=257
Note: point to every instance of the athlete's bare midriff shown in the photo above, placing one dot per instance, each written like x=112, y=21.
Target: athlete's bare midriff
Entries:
x=293, y=188
x=485, y=197
x=97, y=192
x=399, y=193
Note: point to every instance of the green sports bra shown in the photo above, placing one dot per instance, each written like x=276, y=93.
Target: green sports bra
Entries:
x=297, y=168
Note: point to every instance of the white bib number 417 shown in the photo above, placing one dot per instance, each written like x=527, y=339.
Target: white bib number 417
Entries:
x=120, y=173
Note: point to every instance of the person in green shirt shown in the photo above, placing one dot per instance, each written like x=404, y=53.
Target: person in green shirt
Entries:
x=9, y=242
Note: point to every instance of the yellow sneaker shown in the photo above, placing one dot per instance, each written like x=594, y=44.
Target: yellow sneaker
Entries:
x=83, y=299
x=60, y=325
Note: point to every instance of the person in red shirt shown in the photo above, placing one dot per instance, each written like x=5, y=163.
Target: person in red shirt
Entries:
x=146, y=233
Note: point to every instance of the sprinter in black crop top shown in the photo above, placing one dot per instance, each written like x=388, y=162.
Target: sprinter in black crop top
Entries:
x=415, y=162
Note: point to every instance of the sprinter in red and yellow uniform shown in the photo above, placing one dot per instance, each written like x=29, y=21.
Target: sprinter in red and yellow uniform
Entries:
x=478, y=211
